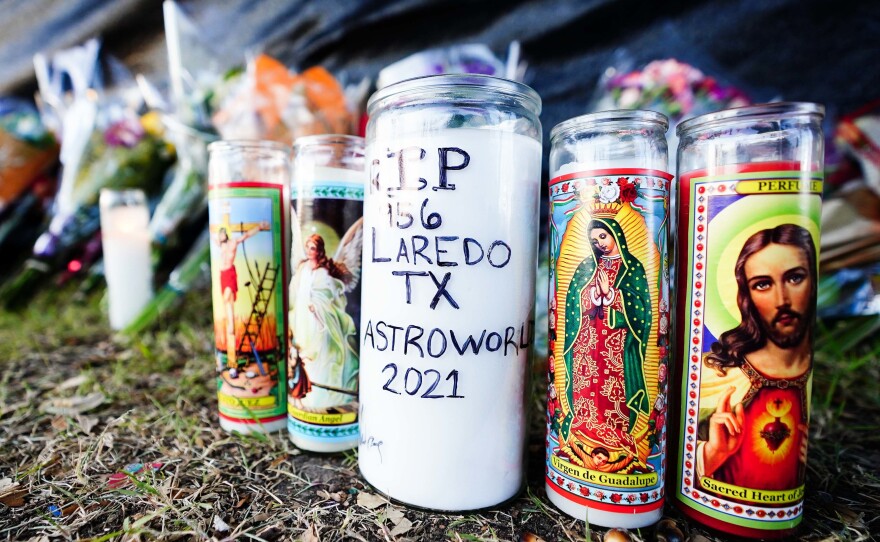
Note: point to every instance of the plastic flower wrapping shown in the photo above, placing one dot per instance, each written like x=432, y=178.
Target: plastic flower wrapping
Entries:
x=473, y=58
x=105, y=143
x=268, y=101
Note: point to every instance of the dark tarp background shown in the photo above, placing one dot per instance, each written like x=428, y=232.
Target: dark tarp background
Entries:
x=810, y=50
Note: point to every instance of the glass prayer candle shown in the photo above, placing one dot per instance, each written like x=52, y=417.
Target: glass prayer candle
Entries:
x=125, y=238
x=325, y=292
x=749, y=199
x=450, y=243
x=249, y=215
x=609, y=317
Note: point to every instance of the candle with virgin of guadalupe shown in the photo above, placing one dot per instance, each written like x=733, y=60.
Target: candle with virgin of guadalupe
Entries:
x=609, y=317
x=749, y=202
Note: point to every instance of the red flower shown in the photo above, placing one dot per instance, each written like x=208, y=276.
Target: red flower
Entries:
x=585, y=491
x=628, y=190
x=559, y=480
x=644, y=497
x=661, y=423
x=565, y=187
x=616, y=497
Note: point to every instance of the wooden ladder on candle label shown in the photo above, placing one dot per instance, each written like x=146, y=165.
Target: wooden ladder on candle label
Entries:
x=261, y=294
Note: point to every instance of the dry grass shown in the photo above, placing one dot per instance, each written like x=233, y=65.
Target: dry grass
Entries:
x=151, y=401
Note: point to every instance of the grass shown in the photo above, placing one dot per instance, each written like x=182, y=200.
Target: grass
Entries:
x=159, y=407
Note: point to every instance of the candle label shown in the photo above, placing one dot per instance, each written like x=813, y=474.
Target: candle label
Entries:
x=247, y=270
x=609, y=338
x=324, y=303
x=450, y=244
x=748, y=263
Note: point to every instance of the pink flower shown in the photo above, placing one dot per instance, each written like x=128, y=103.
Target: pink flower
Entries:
x=124, y=133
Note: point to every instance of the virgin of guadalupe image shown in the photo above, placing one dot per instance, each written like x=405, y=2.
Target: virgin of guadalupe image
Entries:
x=605, y=329
x=323, y=337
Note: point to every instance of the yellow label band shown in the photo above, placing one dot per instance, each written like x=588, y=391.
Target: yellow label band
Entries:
x=756, y=496
x=605, y=478
x=249, y=402
x=341, y=418
x=778, y=186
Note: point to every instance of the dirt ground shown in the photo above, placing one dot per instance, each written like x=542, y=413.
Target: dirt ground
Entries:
x=107, y=439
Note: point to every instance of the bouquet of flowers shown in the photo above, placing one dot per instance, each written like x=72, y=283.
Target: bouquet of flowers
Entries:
x=676, y=89
x=105, y=144
x=267, y=101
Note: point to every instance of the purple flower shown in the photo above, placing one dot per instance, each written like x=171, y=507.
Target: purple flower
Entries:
x=124, y=133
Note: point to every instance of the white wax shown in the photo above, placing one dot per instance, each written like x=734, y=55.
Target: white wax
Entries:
x=449, y=453
x=127, y=267
x=309, y=174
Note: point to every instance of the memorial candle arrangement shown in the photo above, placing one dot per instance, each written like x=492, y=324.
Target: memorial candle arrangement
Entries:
x=125, y=238
x=249, y=216
x=750, y=181
x=324, y=293
x=450, y=241
x=608, y=317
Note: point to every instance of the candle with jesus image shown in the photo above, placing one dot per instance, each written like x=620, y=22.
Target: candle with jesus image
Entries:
x=749, y=199
x=248, y=184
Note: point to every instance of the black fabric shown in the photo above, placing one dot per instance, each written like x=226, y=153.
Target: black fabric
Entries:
x=791, y=49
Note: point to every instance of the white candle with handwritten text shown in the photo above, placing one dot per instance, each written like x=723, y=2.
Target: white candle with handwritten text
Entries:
x=450, y=241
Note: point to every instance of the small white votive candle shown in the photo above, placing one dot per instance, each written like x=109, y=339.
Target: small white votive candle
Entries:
x=126, y=242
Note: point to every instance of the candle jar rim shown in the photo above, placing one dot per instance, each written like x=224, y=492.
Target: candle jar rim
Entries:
x=248, y=145
x=117, y=197
x=772, y=109
x=328, y=139
x=610, y=117
x=455, y=87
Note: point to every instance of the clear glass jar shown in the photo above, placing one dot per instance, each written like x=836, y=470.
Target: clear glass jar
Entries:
x=248, y=217
x=450, y=242
x=608, y=139
x=749, y=203
x=609, y=317
x=325, y=289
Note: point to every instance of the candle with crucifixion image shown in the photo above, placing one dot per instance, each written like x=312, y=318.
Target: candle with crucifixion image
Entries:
x=248, y=184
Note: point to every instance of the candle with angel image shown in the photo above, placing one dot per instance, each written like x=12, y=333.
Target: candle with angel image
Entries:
x=323, y=335
x=324, y=293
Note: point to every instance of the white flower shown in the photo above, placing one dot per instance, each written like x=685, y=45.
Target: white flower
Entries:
x=660, y=403
x=609, y=193
x=664, y=324
x=629, y=97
